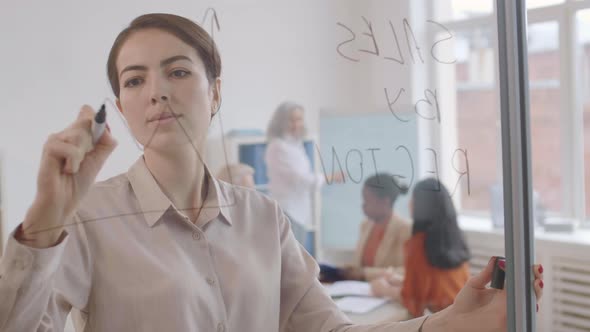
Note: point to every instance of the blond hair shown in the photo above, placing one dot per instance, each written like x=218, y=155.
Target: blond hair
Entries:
x=281, y=119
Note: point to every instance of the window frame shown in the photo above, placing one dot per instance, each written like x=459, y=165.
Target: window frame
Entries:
x=571, y=100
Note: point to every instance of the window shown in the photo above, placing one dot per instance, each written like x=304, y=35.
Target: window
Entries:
x=462, y=9
x=583, y=58
x=559, y=101
x=542, y=3
x=545, y=119
x=477, y=114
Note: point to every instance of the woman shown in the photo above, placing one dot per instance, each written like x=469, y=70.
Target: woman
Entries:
x=436, y=264
x=291, y=180
x=161, y=247
x=383, y=234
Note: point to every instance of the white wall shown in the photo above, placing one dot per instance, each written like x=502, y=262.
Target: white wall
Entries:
x=54, y=60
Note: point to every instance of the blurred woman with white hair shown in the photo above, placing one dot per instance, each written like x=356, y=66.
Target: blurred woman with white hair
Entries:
x=292, y=181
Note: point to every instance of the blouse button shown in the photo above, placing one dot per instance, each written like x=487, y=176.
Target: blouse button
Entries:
x=210, y=281
x=196, y=236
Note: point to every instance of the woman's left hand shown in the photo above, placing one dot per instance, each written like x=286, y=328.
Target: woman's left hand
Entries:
x=477, y=306
x=381, y=287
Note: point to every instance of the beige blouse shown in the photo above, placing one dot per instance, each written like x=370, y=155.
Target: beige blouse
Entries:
x=131, y=261
x=390, y=253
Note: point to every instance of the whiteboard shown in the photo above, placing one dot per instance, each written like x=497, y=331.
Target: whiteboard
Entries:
x=371, y=141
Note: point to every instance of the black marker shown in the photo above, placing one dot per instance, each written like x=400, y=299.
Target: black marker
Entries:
x=498, y=275
x=99, y=124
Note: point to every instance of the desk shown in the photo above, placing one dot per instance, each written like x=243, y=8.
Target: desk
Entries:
x=390, y=311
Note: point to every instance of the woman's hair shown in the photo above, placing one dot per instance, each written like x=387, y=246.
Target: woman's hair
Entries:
x=435, y=215
x=281, y=119
x=385, y=185
x=182, y=28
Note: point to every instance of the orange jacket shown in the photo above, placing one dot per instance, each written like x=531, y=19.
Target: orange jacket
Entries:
x=426, y=286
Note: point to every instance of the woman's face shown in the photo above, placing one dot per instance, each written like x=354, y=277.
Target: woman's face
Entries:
x=165, y=95
x=296, y=123
x=375, y=207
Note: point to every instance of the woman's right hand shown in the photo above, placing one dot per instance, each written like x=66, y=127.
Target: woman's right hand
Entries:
x=69, y=166
x=479, y=308
x=337, y=177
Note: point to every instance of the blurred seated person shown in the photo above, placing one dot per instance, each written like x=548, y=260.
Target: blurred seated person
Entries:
x=436, y=256
x=382, y=235
x=237, y=174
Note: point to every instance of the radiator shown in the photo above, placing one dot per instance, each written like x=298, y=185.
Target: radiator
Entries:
x=571, y=294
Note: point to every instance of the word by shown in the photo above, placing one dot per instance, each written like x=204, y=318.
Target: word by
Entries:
x=428, y=94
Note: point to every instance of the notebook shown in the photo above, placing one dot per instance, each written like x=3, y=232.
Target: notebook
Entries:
x=349, y=288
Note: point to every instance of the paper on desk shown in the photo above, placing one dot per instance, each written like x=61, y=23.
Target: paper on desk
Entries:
x=359, y=304
x=348, y=288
